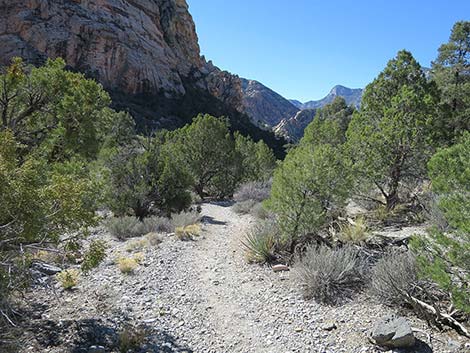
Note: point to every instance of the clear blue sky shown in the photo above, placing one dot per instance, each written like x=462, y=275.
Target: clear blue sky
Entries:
x=302, y=48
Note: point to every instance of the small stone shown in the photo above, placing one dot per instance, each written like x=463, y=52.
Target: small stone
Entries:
x=329, y=326
x=280, y=268
x=298, y=329
x=96, y=349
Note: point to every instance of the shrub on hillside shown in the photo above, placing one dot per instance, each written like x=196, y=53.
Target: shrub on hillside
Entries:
x=307, y=187
x=184, y=219
x=94, y=256
x=131, y=227
x=68, y=279
x=354, y=231
x=330, y=275
x=253, y=191
x=394, y=277
x=244, y=207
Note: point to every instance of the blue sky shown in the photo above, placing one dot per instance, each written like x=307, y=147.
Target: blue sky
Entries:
x=302, y=48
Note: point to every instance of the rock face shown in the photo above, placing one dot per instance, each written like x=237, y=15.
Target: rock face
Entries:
x=138, y=46
x=134, y=46
x=144, y=52
x=351, y=96
x=264, y=106
x=293, y=128
x=393, y=332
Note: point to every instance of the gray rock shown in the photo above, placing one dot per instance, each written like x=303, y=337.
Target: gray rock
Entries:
x=393, y=332
x=96, y=349
x=46, y=268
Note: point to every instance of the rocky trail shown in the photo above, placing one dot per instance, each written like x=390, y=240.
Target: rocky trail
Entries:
x=202, y=296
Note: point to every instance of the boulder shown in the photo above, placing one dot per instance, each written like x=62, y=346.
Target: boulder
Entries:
x=46, y=268
x=393, y=332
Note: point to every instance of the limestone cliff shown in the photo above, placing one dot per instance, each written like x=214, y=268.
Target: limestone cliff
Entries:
x=133, y=46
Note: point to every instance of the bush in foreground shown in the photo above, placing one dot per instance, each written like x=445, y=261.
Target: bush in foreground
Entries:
x=330, y=275
x=395, y=277
x=261, y=243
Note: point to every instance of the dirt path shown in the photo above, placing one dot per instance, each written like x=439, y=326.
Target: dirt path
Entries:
x=202, y=296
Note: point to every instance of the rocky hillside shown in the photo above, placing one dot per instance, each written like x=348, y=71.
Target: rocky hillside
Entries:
x=293, y=128
x=146, y=53
x=264, y=106
x=351, y=95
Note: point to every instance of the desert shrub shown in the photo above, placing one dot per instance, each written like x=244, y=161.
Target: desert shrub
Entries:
x=157, y=225
x=244, y=207
x=153, y=239
x=124, y=227
x=260, y=212
x=445, y=260
x=127, y=265
x=184, y=219
x=261, y=243
x=137, y=245
x=432, y=213
x=354, y=231
x=307, y=186
x=253, y=191
x=394, y=277
x=445, y=257
x=131, y=227
x=68, y=279
x=188, y=232
x=95, y=254
x=139, y=257
x=449, y=170
x=329, y=275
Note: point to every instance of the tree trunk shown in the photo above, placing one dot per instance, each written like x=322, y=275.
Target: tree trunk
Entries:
x=199, y=188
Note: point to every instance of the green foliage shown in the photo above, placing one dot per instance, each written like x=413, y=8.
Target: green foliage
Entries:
x=94, y=256
x=258, y=160
x=451, y=72
x=208, y=150
x=306, y=186
x=330, y=124
x=354, y=231
x=40, y=202
x=449, y=170
x=262, y=242
x=388, y=140
x=68, y=279
x=144, y=178
x=57, y=110
x=445, y=259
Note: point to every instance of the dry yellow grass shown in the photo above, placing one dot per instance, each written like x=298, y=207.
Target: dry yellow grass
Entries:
x=188, y=232
x=127, y=265
x=68, y=278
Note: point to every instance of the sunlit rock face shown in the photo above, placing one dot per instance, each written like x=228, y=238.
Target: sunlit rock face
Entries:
x=134, y=46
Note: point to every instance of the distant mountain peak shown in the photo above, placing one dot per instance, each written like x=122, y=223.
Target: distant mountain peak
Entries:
x=351, y=96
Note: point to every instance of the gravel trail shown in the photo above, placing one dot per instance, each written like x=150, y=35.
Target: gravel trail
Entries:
x=202, y=296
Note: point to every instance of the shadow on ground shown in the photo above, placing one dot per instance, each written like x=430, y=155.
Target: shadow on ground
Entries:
x=211, y=220
x=79, y=336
